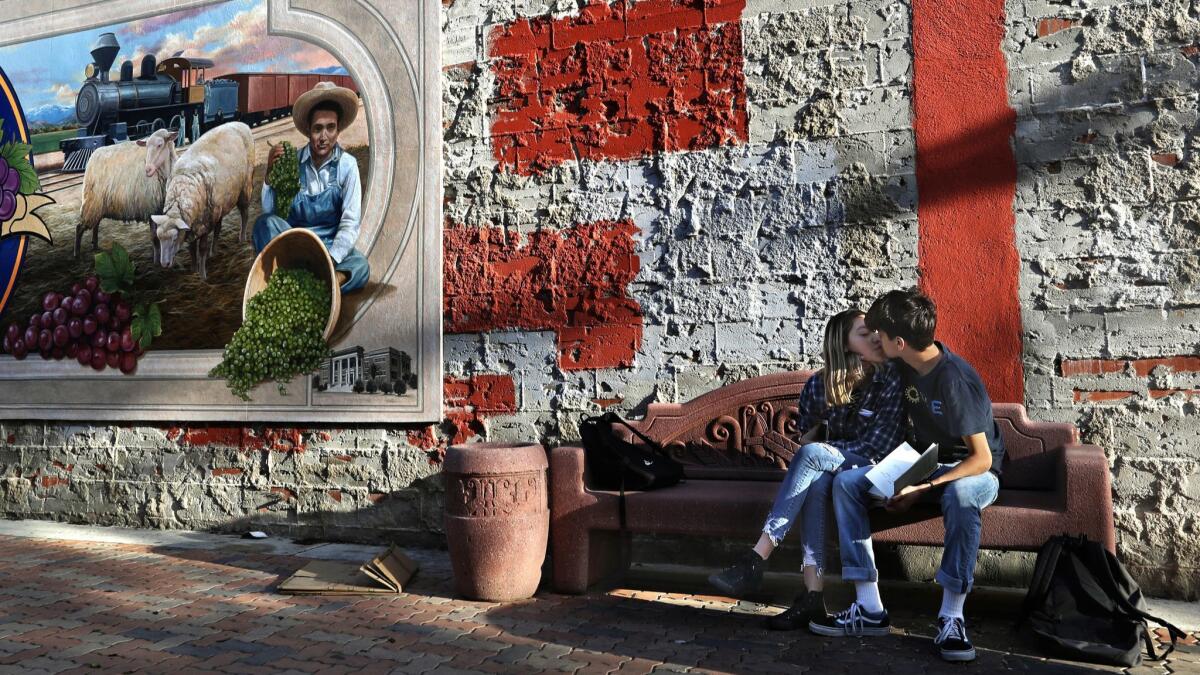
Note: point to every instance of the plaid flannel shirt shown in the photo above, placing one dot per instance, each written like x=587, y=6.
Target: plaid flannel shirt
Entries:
x=871, y=426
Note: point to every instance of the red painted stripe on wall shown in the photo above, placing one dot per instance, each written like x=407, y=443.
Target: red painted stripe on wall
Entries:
x=966, y=181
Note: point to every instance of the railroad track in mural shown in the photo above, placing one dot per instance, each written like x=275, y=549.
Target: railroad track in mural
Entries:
x=54, y=180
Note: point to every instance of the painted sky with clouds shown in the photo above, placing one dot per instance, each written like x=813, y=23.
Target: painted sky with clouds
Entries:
x=233, y=34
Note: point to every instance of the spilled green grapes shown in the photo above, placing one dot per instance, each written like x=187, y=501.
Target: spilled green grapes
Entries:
x=285, y=180
x=281, y=336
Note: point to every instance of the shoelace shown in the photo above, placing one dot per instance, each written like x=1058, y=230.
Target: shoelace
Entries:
x=952, y=628
x=851, y=619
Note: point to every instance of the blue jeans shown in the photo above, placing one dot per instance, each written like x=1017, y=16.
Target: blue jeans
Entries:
x=962, y=503
x=804, y=493
x=268, y=226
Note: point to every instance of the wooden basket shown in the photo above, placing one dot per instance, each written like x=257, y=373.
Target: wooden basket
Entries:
x=292, y=249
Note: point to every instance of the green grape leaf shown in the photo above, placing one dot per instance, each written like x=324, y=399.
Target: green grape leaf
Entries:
x=154, y=320
x=17, y=156
x=107, y=271
x=146, y=324
x=115, y=270
x=122, y=264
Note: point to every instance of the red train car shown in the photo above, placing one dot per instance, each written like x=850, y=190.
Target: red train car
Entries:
x=267, y=96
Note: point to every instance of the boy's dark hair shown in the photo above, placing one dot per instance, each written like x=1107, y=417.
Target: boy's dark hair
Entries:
x=329, y=106
x=908, y=314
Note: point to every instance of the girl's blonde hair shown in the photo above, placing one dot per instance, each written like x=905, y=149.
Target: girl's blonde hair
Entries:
x=843, y=369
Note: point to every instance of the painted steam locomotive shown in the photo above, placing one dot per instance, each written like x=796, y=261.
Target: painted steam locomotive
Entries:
x=176, y=95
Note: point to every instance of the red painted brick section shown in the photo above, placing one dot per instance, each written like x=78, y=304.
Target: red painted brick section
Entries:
x=243, y=438
x=618, y=81
x=467, y=402
x=966, y=181
x=573, y=282
x=1051, y=26
x=1165, y=158
x=287, y=493
x=1071, y=367
x=1142, y=367
x=1101, y=396
x=1163, y=393
x=1179, y=364
x=481, y=393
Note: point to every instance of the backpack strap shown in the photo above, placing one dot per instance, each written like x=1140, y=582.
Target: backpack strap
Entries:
x=612, y=417
x=1043, y=574
x=1102, y=563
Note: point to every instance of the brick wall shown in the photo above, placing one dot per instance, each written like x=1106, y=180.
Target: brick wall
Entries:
x=645, y=202
x=1108, y=228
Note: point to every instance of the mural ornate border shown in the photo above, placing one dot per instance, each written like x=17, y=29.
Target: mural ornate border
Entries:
x=392, y=51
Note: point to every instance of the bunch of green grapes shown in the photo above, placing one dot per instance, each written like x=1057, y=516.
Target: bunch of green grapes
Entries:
x=285, y=180
x=282, y=335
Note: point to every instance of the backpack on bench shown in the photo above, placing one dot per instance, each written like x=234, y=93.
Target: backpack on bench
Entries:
x=1083, y=605
x=617, y=464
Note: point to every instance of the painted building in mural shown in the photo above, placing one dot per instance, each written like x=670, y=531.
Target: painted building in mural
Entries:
x=355, y=369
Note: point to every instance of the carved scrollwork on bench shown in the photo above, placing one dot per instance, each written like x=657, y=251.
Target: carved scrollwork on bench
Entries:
x=728, y=441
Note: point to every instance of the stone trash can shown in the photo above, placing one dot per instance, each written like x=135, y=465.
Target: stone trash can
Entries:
x=497, y=518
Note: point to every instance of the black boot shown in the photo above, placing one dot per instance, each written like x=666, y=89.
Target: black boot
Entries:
x=743, y=577
x=808, y=606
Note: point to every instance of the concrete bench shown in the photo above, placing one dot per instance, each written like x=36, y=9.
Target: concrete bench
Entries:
x=1051, y=483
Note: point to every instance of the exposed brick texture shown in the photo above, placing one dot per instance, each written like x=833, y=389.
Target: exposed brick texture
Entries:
x=573, y=282
x=1108, y=226
x=618, y=81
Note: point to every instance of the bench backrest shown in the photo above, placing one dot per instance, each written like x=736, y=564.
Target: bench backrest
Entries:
x=707, y=434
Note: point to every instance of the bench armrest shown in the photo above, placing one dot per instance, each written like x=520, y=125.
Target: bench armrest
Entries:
x=567, y=488
x=1086, y=482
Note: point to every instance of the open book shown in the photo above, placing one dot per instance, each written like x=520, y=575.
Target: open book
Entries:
x=385, y=573
x=901, y=468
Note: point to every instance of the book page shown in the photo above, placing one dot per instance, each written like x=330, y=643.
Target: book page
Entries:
x=920, y=470
x=883, y=476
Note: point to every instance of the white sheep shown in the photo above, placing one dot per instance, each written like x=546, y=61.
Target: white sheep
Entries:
x=127, y=182
x=215, y=174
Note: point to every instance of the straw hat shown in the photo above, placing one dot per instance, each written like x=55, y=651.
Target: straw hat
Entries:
x=325, y=91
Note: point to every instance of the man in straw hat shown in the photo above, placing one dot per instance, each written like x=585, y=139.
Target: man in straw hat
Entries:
x=330, y=198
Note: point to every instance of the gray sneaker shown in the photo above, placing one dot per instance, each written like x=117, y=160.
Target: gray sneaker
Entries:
x=742, y=577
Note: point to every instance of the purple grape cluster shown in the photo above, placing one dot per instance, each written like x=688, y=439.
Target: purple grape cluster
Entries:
x=86, y=324
x=11, y=180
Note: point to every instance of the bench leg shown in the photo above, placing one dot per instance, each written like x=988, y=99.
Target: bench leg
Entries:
x=604, y=557
x=583, y=558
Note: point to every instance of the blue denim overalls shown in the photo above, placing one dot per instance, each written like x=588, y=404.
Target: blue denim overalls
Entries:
x=320, y=213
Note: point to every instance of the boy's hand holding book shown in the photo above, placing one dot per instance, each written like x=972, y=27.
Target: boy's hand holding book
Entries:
x=901, y=477
x=907, y=496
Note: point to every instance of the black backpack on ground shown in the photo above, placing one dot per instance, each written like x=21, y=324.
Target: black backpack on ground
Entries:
x=616, y=464
x=1083, y=605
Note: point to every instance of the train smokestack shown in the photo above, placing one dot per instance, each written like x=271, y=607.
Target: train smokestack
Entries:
x=104, y=53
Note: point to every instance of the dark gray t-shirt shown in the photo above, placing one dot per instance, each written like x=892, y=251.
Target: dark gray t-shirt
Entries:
x=948, y=403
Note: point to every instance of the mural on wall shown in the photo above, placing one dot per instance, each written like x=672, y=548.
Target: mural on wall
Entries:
x=187, y=202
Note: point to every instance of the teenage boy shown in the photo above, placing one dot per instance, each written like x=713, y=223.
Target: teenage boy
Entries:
x=947, y=405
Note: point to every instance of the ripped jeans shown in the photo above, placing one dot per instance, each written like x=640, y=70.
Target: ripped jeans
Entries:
x=804, y=493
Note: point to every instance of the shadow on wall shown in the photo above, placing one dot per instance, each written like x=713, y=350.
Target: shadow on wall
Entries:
x=409, y=518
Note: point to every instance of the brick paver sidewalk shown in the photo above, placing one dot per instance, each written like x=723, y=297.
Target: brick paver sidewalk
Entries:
x=68, y=606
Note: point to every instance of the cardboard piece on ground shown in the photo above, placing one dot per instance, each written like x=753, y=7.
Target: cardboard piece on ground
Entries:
x=386, y=573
